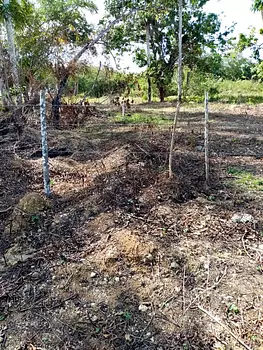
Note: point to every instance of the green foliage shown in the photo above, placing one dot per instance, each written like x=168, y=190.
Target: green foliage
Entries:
x=200, y=31
x=231, y=67
x=66, y=19
x=104, y=82
x=54, y=31
x=201, y=82
x=19, y=11
x=257, y=5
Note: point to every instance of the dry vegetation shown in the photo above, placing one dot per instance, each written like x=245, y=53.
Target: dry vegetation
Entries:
x=122, y=258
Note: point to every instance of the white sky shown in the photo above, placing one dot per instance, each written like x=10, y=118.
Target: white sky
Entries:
x=230, y=11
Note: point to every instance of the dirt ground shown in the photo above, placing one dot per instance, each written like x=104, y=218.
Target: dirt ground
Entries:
x=121, y=257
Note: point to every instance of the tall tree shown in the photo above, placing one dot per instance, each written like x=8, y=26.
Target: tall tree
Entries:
x=200, y=31
x=11, y=44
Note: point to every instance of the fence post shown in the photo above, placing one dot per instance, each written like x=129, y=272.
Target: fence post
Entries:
x=44, y=142
x=206, y=141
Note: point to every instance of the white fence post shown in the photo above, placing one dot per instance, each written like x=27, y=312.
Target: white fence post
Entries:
x=206, y=141
x=44, y=143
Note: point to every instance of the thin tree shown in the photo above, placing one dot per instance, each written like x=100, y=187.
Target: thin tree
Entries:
x=148, y=50
x=180, y=84
x=11, y=44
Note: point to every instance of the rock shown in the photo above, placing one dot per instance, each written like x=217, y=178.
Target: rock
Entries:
x=143, y=308
x=242, y=218
x=2, y=339
x=35, y=275
x=93, y=274
x=27, y=211
x=17, y=254
x=149, y=258
x=117, y=279
x=33, y=203
x=174, y=265
x=128, y=337
x=94, y=318
x=199, y=148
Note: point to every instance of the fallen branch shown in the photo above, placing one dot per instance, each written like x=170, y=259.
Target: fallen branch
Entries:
x=5, y=210
x=224, y=326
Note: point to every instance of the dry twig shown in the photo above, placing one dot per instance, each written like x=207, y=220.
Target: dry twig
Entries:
x=224, y=326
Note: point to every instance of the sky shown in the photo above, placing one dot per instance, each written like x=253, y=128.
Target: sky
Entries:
x=229, y=11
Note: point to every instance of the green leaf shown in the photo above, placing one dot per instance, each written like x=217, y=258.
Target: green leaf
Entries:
x=35, y=218
x=2, y=317
x=233, y=308
x=127, y=315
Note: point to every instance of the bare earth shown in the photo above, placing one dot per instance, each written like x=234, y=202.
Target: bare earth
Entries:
x=121, y=257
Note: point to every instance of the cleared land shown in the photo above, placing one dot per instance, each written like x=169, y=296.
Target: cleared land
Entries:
x=121, y=257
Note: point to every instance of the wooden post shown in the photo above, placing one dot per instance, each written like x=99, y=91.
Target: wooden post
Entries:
x=44, y=143
x=206, y=141
x=123, y=108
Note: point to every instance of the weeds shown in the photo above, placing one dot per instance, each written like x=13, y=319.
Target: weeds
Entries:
x=138, y=118
x=246, y=180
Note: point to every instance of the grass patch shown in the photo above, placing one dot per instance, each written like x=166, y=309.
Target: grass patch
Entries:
x=138, y=118
x=246, y=180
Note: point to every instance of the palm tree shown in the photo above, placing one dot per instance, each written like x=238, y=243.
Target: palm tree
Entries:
x=13, y=13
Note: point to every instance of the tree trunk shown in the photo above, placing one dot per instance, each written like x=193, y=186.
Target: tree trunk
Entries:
x=57, y=100
x=148, y=60
x=63, y=82
x=180, y=80
x=3, y=79
x=161, y=93
x=11, y=49
x=149, y=90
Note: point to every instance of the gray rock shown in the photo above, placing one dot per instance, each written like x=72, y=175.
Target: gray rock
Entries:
x=242, y=218
x=174, y=265
x=199, y=149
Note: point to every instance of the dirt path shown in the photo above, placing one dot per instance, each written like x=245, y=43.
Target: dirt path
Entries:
x=123, y=258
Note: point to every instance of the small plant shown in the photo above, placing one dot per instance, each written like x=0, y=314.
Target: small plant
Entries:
x=260, y=268
x=127, y=315
x=233, y=308
x=52, y=182
x=2, y=317
x=253, y=337
x=35, y=219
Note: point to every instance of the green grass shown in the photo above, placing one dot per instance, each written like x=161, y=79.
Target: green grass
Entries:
x=246, y=180
x=240, y=91
x=232, y=92
x=138, y=118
